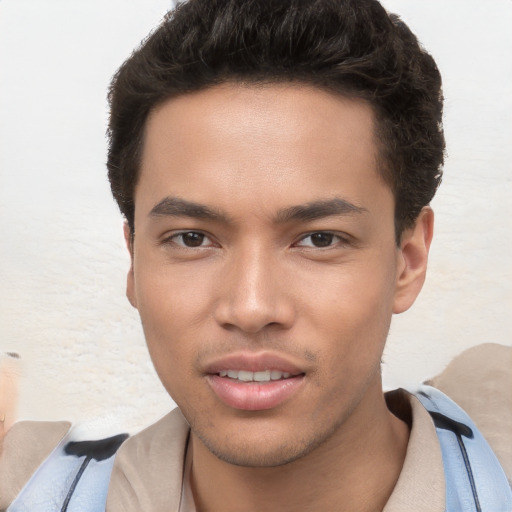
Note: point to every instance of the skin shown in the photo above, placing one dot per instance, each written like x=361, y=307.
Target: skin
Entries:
x=257, y=282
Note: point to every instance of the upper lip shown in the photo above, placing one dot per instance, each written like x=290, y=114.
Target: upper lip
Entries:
x=253, y=362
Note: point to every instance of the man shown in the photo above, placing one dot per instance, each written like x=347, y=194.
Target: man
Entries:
x=275, y=162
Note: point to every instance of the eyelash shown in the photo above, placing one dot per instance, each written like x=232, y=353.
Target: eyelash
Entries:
x=172, y=239
x=335, y=240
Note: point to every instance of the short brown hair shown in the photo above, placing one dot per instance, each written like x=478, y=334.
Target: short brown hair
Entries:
x=351, y=47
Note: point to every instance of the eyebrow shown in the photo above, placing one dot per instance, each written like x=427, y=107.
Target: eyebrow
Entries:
x=318, y=210
x=178, y=207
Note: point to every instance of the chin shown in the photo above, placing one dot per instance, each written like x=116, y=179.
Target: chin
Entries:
x=265, y=451
x=258, y=456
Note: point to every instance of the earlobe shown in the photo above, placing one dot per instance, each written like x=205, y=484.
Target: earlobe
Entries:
x=130, y=278
x=413, y=251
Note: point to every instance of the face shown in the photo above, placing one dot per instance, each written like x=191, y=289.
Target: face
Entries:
x=265, y=268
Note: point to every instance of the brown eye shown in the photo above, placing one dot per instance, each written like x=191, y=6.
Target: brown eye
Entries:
x=192, y=239
x=184, y=240
x=321, y=239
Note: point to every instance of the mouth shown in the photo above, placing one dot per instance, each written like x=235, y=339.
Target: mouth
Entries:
x=255, y=382
x=259, y=376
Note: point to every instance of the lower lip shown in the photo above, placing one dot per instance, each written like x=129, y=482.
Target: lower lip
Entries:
x=254, y=396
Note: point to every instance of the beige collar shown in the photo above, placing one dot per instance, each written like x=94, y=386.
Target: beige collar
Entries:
x=421, y=484
x=149, y=468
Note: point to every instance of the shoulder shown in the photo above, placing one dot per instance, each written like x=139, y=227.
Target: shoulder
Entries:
x=148, y=468
x=25, y=447
x=480, y=381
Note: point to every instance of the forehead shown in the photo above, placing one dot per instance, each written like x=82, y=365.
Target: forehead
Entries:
x=258, y=144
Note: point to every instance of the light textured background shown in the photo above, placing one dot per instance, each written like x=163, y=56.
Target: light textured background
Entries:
x=62, y=259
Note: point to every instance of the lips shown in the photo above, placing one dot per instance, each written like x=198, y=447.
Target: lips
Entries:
x=261, y=376
x=254, y=382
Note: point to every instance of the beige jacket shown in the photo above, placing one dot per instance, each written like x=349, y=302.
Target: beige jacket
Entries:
x=149, y=467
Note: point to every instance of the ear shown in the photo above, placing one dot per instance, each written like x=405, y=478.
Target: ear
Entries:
x=413, y=256
x=130, y=278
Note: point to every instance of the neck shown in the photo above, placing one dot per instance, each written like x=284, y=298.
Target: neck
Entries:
x=356, y=469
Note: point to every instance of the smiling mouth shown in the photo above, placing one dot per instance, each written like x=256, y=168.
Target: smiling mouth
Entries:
x=255, y=391
x=259, y=377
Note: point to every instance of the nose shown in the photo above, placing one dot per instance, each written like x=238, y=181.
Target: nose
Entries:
x=254, y=293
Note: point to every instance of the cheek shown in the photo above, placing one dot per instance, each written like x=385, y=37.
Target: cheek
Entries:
x=356, y=326
x=353, y=310
x=359, y=295
x=171, y=308
x=169, y=296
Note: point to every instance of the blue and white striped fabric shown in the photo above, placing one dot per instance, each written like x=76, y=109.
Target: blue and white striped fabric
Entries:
x=74, y=478
x=475, y=480
x=76, y=475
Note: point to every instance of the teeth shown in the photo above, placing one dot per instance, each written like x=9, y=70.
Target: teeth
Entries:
x=276, y=375
x=245, y=376
x=262, y=376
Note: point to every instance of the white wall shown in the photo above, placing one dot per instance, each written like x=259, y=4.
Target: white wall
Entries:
x=62, y=260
